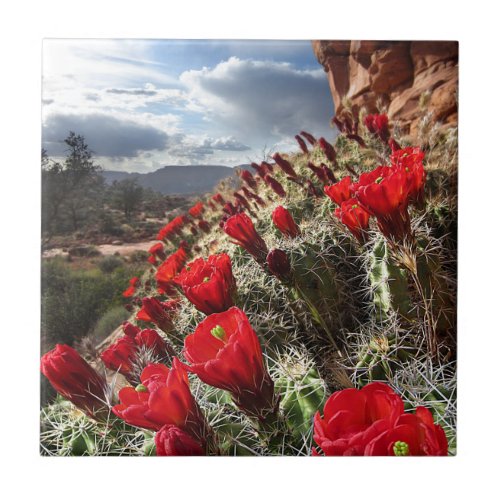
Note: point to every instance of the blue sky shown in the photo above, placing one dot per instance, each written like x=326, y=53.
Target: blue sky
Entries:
x=143, y=104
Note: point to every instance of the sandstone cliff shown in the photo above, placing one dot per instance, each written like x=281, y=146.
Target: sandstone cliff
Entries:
x=397, y=73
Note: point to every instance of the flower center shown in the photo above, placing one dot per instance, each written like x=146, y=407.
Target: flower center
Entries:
x=206, y=279
x=355, y=205
x=379, y=180
x=401, y=449
x=218, y=332
x=141, y=388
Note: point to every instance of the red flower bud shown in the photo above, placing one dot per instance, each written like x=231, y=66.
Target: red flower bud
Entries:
x=328, y=173
x=355, y=217
x=339, y=192
x=241, y=228
x=171, y=441
x=74, y=379
x=120, y=355
x=278, y=264
x=159, y=313
x=327, y=148
x=275, y=185
x=247, y=177
x=209, y=285
x=302, y=144
x=284, y=165
x=283, y=220
x=242, y=200
x=218, y=199
x=318, y=172
x=310, y=138
x=224, y=351
x=204, y=226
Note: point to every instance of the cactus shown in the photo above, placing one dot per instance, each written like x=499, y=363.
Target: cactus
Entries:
x=389, y=283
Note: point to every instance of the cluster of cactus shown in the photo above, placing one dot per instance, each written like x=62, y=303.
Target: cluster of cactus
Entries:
x=342, y=314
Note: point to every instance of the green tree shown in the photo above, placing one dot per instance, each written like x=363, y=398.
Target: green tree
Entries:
x=68, y=188
x=127, y=195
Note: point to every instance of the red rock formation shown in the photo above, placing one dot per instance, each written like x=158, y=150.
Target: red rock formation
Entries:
x=397, y=73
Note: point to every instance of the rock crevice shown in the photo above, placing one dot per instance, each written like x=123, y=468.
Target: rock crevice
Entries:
x=395, y=73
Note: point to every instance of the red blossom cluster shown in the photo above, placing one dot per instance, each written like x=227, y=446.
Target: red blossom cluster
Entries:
x=173, y=228
x=385, y=193
x=224, y=350
x=120, y=356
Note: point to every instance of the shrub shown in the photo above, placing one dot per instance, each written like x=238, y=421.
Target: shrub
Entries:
x=109, y=263
x=108, y=322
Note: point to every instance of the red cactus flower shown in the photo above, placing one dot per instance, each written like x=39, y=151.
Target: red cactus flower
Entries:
x=209, y=285
x=328, y=149
x=241, y=228
x=157, y=252
x=278, y=264
x=130, y=291
x=224, y=351
x=283, y=220
x=411, y=161
x=218, y=199
x=169, y=270
x=196, y=210
x=412, y=435
x=275, y=185
x=355, y=217
x=387, y=200
x=247, y=177
x=162, y=398
x=284, y=165
x=309, y=137
x=368, y=178
x=74, y=379
x=371, y=421
x=340, y=191
x=379, y=125
x=171, y=441
x=159, y=313
x=302, y=144
x=352, y=418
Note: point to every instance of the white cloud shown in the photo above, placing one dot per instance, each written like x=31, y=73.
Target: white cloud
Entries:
x=261, y=99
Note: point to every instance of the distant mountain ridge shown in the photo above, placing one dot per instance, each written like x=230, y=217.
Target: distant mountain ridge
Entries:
x=177, y=179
